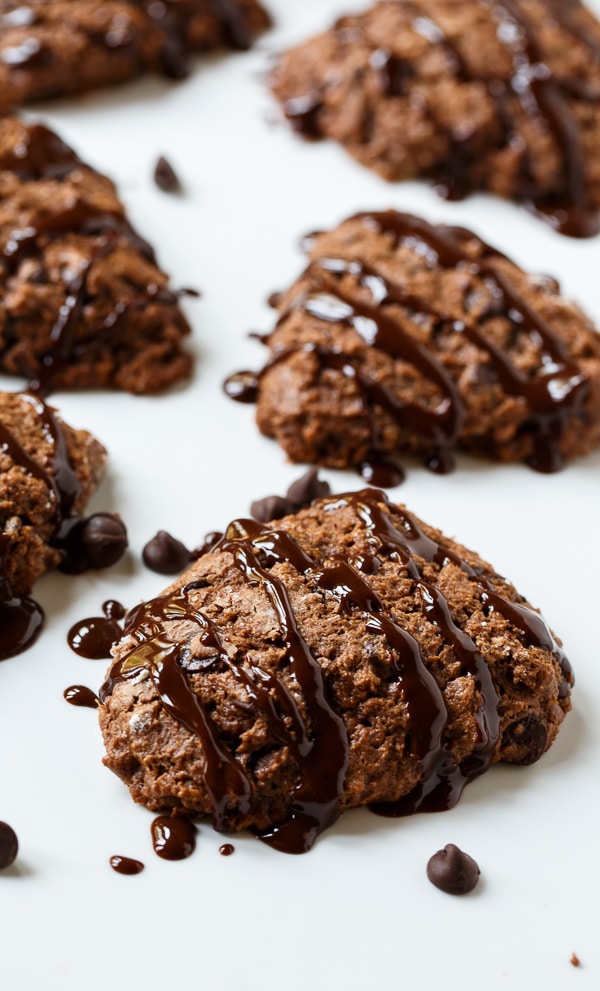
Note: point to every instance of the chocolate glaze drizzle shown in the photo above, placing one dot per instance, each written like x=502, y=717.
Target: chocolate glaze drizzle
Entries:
x=555, y=396
x=318, y=743
x=173, y=839
x=94, y=637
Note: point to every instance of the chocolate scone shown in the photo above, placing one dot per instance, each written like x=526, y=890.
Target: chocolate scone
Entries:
x=345, y=655
x=82, y=301
x=497, y=95
x=48, y=472
x=406, y=336
x=68, y=46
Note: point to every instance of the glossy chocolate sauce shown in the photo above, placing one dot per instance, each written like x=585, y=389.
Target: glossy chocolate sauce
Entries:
x=554, y=396
x=173, y=839
x=94, y=637
x=321, y=753
x=82, y=697
x=126, y=865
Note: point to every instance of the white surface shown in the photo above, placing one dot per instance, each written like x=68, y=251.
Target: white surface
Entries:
x=358, y=911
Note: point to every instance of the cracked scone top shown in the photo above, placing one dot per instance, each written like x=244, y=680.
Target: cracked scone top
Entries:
x=402, y=336
x=497, y=95
x=345, y=655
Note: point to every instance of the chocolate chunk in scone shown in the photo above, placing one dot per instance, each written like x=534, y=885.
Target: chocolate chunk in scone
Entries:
x=48, y=472
x=402, y=336
x=497, y=95
x=69, y=46
x=345, y=655
x=83, y=303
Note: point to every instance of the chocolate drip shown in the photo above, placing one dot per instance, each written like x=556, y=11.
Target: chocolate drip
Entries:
x=126, y=865
x=93, y=638
x=173, y=839
x=81, y=697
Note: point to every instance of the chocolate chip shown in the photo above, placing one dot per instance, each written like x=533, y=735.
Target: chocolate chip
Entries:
x=9, y=845
x=165, y=554
x=453, y=871
x=528, y=737
x=210, y=539
x=270, y=508
x=306, y=488
x=103, y=540
x=166, y=177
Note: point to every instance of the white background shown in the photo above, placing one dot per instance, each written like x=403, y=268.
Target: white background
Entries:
x=357, y=912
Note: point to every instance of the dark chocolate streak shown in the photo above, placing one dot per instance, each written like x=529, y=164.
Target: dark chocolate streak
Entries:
x=319, y=744
x=21, y=617
x=554, y=399
x=543, y=97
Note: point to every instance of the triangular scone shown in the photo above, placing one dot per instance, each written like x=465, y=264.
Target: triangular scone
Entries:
x=498, y=95
x=346, y=655
x=82, y=301
x=68, y=46
x=48, y=473
x=403, y=336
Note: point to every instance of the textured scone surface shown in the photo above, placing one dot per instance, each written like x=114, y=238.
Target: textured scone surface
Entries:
x=28, y=506
x=475, y=95
x=431, y=667
x=68, y=46
x=83, y=302
x=405, y=336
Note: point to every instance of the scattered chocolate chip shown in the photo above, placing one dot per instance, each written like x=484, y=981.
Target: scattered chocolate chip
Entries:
x=165, y=554
x=210, y=540
x=453, y=871
x=103, y=539
x=528, y=737
x=307, y=488
x=226, y=849
x=270, y=508
x=575, y=961
x=300, y=494
x=9, y=845
x=166, y=177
